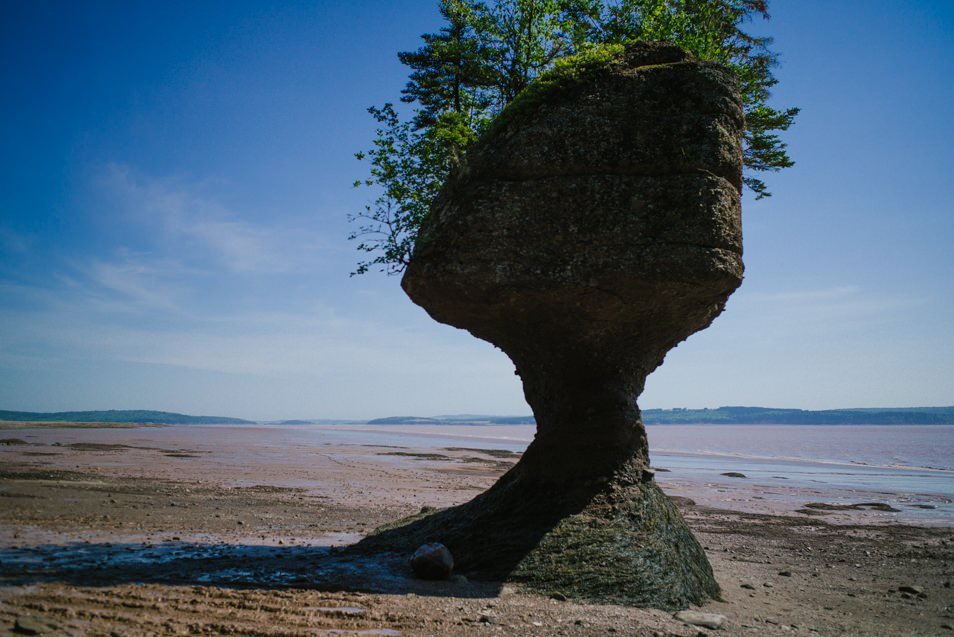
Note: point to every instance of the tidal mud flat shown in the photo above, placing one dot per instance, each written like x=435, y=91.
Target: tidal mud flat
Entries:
x=215, y=530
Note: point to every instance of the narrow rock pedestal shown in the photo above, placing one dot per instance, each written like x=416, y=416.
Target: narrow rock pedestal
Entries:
x=592, y=229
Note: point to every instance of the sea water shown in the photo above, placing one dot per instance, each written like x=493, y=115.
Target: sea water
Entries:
x=906, y=466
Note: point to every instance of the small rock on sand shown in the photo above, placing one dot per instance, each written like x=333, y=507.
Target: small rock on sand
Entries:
x=432, y=561
x=34, y=625
x=734, y=474
x=706, y=620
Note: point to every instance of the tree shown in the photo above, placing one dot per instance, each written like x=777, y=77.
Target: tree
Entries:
x=409, y=160
x=713, y=30
x=408, y=166
x=489, y=52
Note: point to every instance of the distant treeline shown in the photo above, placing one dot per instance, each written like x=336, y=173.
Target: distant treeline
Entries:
x=114, y=415
x=719, y=416
x=727, y=416
x=771, y=416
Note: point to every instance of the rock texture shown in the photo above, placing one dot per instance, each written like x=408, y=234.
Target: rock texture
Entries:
x=595, y=227
x=587, y=237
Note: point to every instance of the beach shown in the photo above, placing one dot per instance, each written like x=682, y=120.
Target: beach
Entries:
x=234, y=529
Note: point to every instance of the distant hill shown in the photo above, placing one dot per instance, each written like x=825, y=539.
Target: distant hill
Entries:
x=114, y=415
x=772, y=416
x=405, y=420
x=726, y=416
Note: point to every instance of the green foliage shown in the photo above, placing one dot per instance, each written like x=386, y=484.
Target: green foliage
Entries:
x=566, y=73
x=491, y=54
x=772, y=416
x=408, y=167
x=711, y=30
x=448, y=76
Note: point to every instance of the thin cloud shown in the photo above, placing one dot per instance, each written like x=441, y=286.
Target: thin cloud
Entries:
x=189, y=219
x=131, y=284
x=322, y=343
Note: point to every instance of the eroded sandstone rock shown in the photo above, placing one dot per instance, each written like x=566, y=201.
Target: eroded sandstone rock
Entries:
x=588, y=236
x=596, y=226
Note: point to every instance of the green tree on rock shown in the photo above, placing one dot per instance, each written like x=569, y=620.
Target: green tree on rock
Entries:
x=488, y=52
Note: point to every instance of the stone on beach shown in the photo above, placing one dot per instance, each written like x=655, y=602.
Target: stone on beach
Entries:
x=696, y=618
x=432, y=561
x=34, y=625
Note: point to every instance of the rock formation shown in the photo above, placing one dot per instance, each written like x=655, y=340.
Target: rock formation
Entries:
x=593, y=228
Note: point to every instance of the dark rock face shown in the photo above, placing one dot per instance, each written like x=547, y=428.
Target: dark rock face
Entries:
x=586, y=237
x=590, y=236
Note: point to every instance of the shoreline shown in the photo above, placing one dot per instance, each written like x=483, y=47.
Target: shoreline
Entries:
x=95, y=520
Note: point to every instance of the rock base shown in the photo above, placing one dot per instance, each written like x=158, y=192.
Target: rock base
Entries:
x=620, y=540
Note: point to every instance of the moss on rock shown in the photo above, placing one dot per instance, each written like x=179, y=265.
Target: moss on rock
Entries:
x=567, y=73
x=617, y=541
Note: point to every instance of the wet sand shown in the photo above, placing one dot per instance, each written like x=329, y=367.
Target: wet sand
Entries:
x=175, y=530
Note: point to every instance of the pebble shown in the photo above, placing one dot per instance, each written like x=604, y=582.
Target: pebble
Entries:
x=913, y=590
x=734, y=474
x=34, y=625
x=748, y=586
x=432, y=561
x=785, y=573
x=706, y=620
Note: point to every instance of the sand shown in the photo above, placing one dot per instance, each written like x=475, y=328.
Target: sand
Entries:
x=160, y=531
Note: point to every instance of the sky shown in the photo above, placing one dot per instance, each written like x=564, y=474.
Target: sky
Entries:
x=175, y=180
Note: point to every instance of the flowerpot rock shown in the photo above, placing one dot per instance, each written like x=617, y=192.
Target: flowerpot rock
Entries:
x=595, y=226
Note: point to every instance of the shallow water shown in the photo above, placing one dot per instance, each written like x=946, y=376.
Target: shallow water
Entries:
x=909, y=467
x=786, y=466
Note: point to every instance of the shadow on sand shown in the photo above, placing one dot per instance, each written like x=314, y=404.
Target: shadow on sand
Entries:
x=620, y=541
x=226, y=565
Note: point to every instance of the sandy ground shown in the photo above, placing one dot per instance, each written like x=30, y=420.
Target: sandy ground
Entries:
x=144, y=531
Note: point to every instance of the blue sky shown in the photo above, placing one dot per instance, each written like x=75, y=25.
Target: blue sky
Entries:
x=175, y=181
